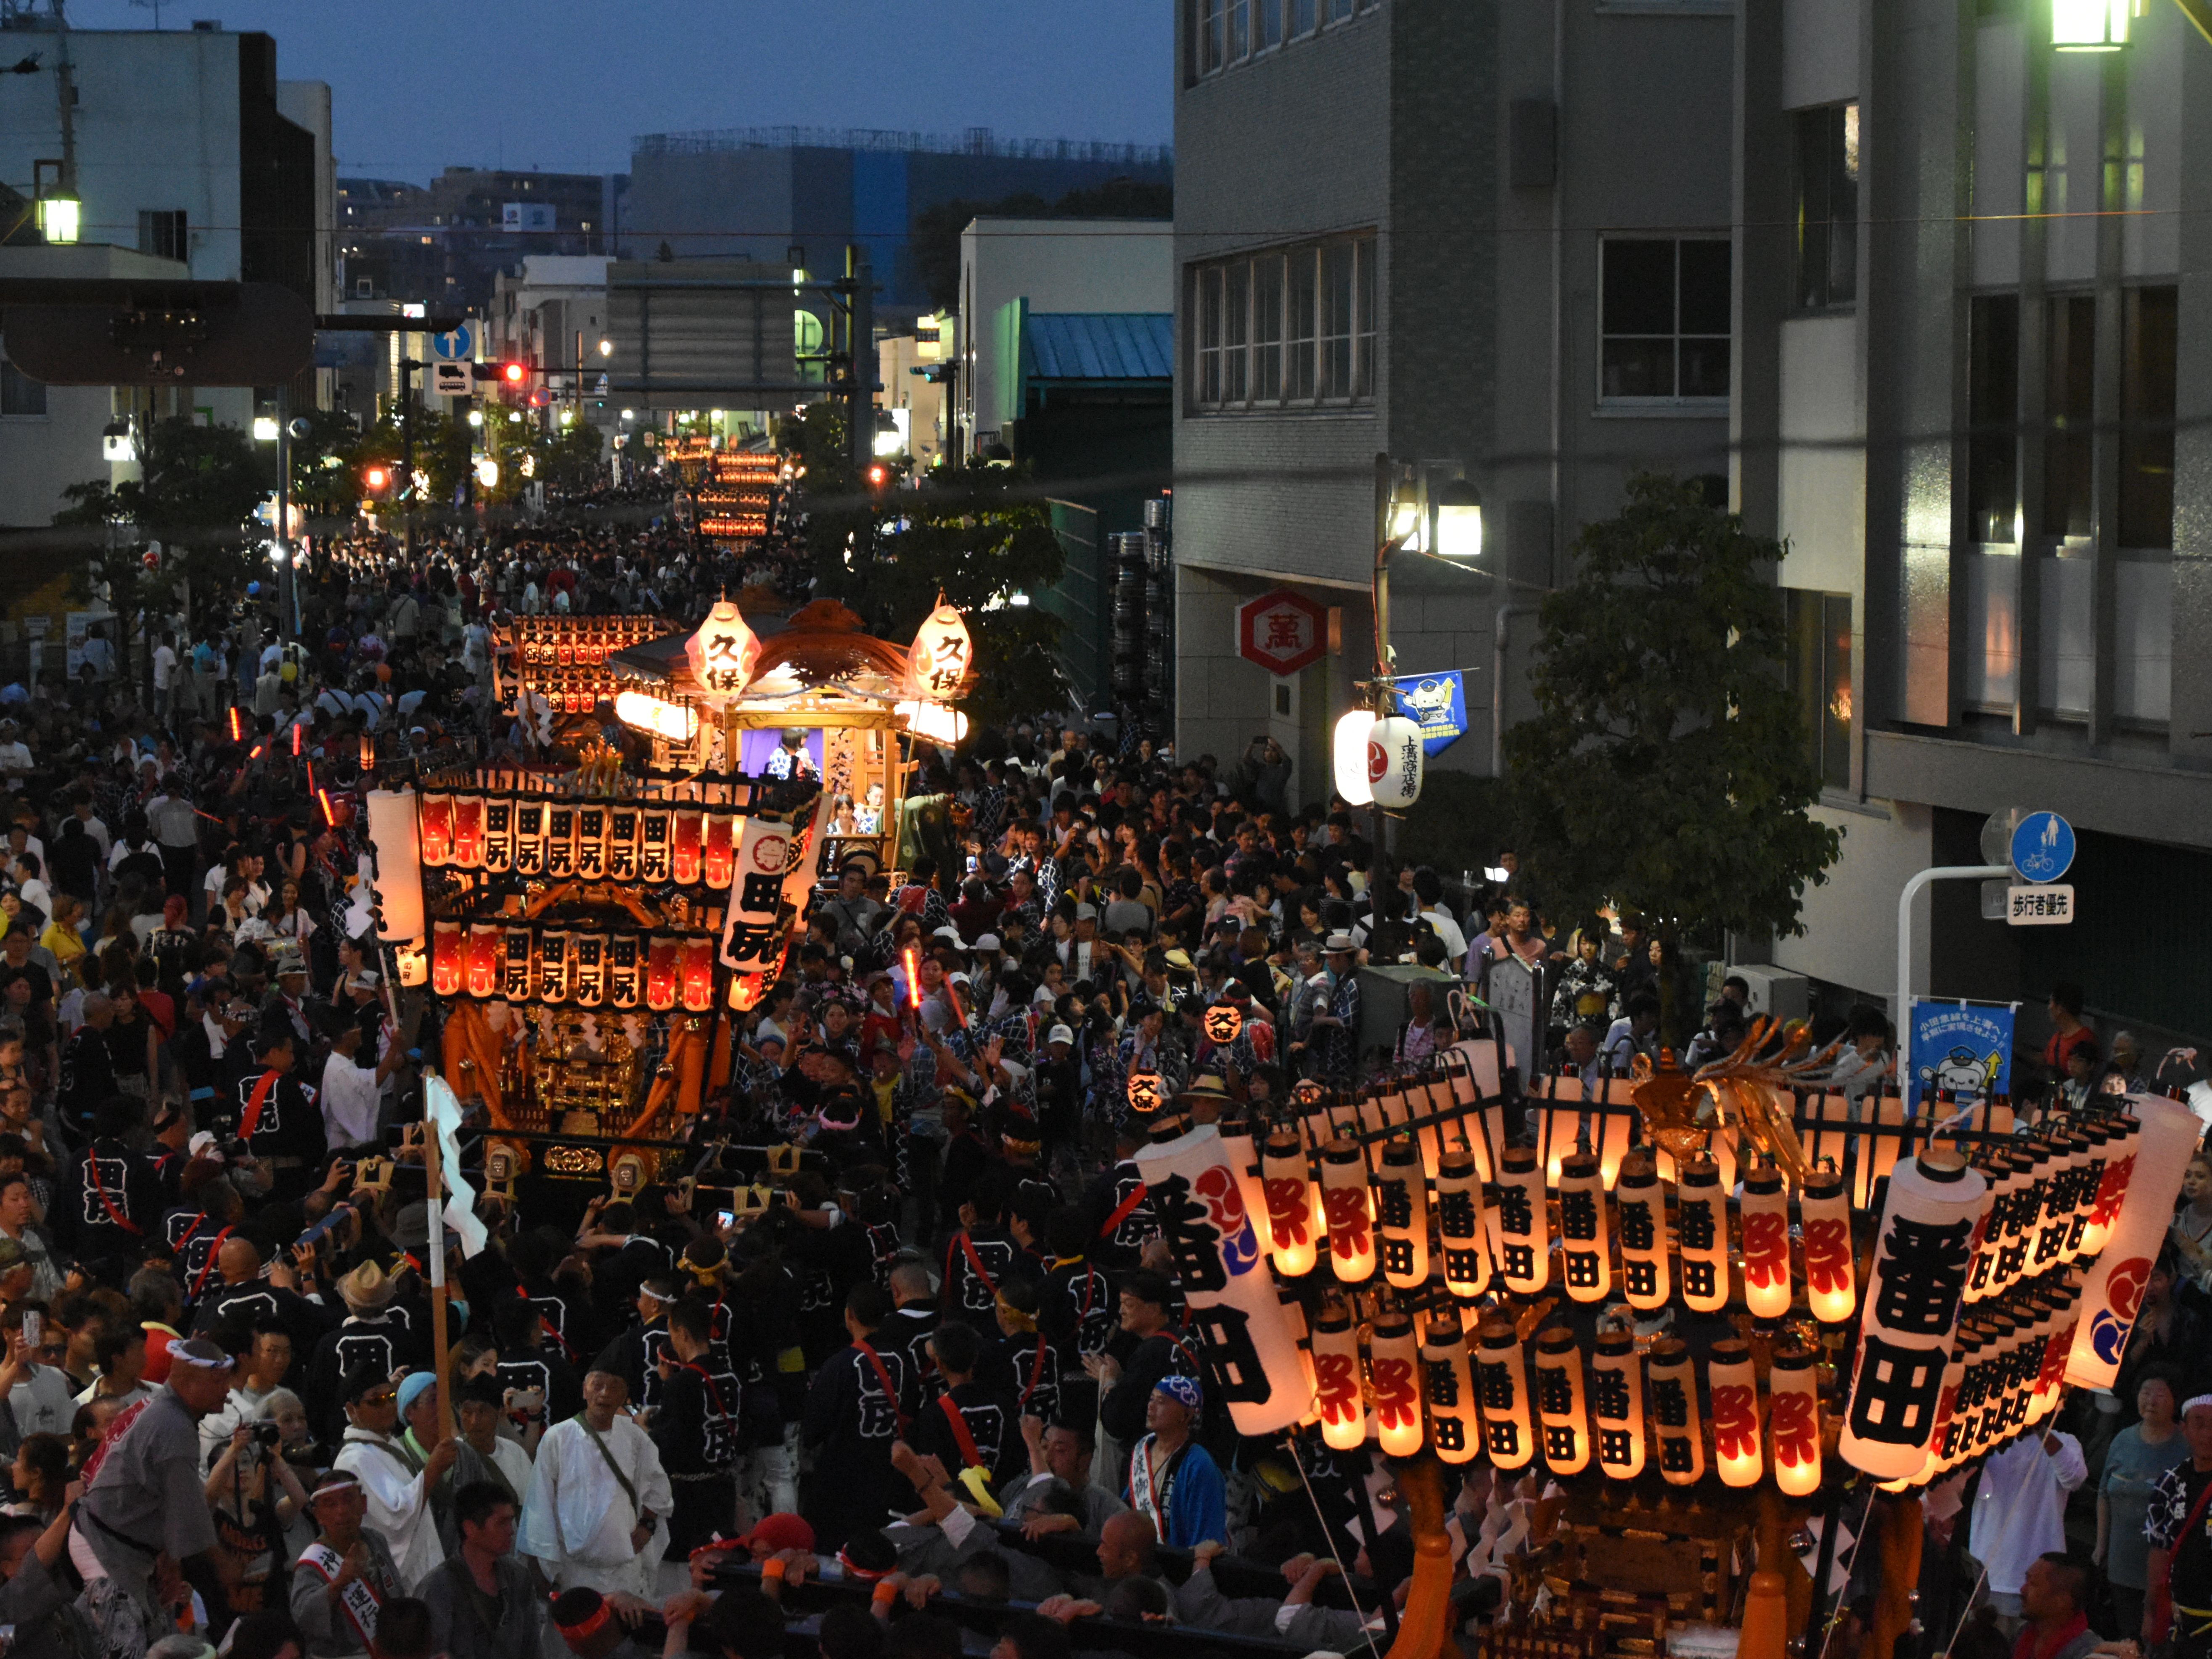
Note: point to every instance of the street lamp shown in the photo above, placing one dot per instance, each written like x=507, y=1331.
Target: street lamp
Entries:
x=265, y=428
x=115, y=443
x=59, y=216
x=2090, y=25
x=1456, y=532
x=606, y=347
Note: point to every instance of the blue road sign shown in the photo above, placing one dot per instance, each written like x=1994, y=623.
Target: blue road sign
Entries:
x=2042, y=846
x=456, y=347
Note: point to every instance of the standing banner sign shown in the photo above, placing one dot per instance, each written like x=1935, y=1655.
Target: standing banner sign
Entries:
x=1966, y=1048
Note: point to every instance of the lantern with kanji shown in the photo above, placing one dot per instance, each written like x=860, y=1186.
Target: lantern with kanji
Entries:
x=1765, y=1222
x=1501, y=1389
x=1221, y=1023
x=437, y=828
x=1824, y=1217
x=723, y=652
x=1793, y=1420
x=587, y=969
x=654, y=827
x=685, y=850
x=2112, y=1296
x=1402, y=1217
x=1616, y=1405
x=468, y=832
x=624, y=955
x=518, y=977
x=1460, y=1229
x=484, y=959
x=1561, y=1410
x=1732, y=1387
x=698, y=972
x=661, y=986
x=498, y=832
x=1521, y=1225
x=1396, y=757
x=1585, y=1232
x=529, y=835
x=1393, y=1381
x=1147, y=1091
x=1293, y=1231
x=1701, y=1228
x=941, y=655
x=1351, y=1222
x=1673, y=1398
x=1646, y=1278
x=553, y=965
x=560, y=839
x=1336, y=1377
x=448, y=958
x=1447, y=1385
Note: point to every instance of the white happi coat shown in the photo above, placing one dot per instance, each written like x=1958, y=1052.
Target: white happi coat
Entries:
x=577, y=1519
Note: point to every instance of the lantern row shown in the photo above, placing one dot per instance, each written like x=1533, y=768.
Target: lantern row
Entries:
x=554, y=966
x=578, y=641
x=654, y=839
x=1614, y=1410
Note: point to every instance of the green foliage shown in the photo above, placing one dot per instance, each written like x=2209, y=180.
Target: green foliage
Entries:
x=935, y=245
x=199, y=486
x=1667, y=768
x=1461, y=822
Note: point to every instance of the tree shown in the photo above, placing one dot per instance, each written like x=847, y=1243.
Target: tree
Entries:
x=1667, y=768
x=887, y=553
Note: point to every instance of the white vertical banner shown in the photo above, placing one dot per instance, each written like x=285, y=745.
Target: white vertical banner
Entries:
x=753, y=930
x=2114, y=1295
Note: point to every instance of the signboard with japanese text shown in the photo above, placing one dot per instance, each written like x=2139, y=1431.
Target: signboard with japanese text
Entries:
x=1281, y=631
x=1961, y=1047
x=2039, y=907
x=1439, y=702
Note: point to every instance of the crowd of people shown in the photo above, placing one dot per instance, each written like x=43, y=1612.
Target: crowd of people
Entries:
x=946, y=1371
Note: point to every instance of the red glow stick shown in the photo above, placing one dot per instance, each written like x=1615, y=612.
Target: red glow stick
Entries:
x=912, y=980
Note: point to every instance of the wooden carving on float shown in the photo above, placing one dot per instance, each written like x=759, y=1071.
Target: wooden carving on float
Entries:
x=1749, y=1089
x=824, y=643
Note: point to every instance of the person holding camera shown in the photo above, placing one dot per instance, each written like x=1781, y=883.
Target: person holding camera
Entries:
x=255, y=1495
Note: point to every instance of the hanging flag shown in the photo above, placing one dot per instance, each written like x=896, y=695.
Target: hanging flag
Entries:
x=1966, y=1049
x=1439, y=702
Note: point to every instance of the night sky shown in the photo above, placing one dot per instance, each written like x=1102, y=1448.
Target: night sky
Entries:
x=420, y=84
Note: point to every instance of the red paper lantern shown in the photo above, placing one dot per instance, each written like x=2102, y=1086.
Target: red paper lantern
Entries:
x=685, y=862
x=660, y=973
x=446, y=954
x=720, y=858
x=468, y=831
x=437, y=828
x=484, y=940
x=698, y=960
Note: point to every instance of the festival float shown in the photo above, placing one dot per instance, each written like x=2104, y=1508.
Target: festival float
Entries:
x=1706, y=1332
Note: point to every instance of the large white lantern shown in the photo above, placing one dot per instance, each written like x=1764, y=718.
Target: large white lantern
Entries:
x=941, y=656
x=394, y=831
x=1349, y=754
x=723, y=652
x=1396, y=761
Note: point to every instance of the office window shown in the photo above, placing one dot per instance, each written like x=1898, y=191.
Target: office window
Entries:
x=1240, y=30
x=1298, y=381
x=1664, y=318
x=161, y=233
x=1267, y=24
x=1268, y=329
x=1992, y=418
x=19, y=393
x=1305, y=17
x=1296, y=327
x=1340, y=11
x=1827, y=165
x=1363, y=356
x=2070, y=367
x=1212, y=18
x=1819, y=664
x=2147, y=320
x=1209, y=336
x=1236, y=333
x=1336, y=346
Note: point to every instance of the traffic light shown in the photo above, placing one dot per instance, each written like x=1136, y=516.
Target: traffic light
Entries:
x=878, y=476
x=513, y=374
x=376, y=479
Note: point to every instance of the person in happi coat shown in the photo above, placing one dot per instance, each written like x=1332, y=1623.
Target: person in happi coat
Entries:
x=342, y=1580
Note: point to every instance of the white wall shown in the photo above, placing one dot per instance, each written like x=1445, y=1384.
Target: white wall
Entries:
x=308, y=104
x=1850, y=922
x=1822, y=472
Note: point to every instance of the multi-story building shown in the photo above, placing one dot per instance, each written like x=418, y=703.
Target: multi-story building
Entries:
x=552, y=316
x=1970, y=391
x=1492, y=241
x=446, y=244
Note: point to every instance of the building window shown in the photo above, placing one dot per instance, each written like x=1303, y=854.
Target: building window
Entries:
x=1340, y=11
x=1993, y=419
x=1211, y=15
x=2070, y=366
x=2148, y=317
x=1818, y=664
x=161, y=233
x=1240, y=25
x=1290, y=327
x=1826, y=162
x=1664, y=317
x=1267, y=24
x=1305, y=17
x=19, y=393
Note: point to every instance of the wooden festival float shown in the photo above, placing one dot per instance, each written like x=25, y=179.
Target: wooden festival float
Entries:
x=1728, y=1325
x=593, y=921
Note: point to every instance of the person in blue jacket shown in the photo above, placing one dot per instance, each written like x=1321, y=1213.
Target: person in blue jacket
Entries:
x=1173, y=1482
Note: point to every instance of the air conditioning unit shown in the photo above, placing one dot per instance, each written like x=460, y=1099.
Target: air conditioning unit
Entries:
x=1775, y=991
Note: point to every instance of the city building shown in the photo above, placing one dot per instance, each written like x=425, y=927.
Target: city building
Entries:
x=445, y=243
x=1491, y=242
x=1970, y=391
x=762, y=192
x=190, y=158
x=915, y=372
x=551, y=316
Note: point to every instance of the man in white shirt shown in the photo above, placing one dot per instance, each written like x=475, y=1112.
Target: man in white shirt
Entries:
x=15, y=753
x=596, y=1514
x=352, y=1092
x=399, y=1486
x=165, y=674
x=2020, y=1513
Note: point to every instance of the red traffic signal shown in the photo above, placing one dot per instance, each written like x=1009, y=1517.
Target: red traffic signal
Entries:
x=513, y=374
x=377, y=478
x=878, y=476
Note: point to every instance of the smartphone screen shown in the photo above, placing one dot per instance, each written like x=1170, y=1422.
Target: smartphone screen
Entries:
x=34, y=1329
x=724, y=1217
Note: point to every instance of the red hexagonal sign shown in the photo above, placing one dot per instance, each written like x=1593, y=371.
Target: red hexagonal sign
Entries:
x=1281, y=631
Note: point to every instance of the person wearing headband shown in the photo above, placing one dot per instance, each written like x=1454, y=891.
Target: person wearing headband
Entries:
x=645, y=1344
x=2180, y=1565
x=590, y=1627
x=1172, y=1480
x=342, y=1581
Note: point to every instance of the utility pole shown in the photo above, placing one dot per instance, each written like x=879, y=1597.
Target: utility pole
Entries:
x=407, y=368
x=859, y=361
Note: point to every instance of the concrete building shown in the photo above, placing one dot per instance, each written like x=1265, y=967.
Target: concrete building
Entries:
x=191, y=157
x=914, y=371
x=552, y=315
x=758, y=192
x=1972, y=393
x=445, y=244
x=1489, y=240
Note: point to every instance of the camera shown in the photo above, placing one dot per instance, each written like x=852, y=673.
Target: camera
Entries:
x=267, y=1434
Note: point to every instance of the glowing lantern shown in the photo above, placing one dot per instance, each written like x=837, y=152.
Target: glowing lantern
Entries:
x=2064, y=1300
x=941, y=655
x=2112, y=1186
x=1344, y=1199
x=553, y=965
x=587, y=969
x=671, y=723
x=2096, y=1154
x=1766, y=1221
x=1913, y=1292
x=498, y=832
x=2112, y=1297
x=1291, y=1231
x=1964, y=1382
x=529, y=837
x=1701, y=1228
x=934, y=720
x=1732, y=1387
x=484, y=959
x=1349, y=753
x=560, y=839
x=685, y=855
x=1396, y=757
x=448, y=954
x=722, y=653
x=1793, y=1421
x=1146, y=1092
x=394, y=833
x=468, y=832
x=623, y=954
x=1393, y=1381
x=1824, y=1215
x=1501, y=1379
x=1521, y=1225
x=1454, y=1426
x=1559, y=1404
x=1243, y=1159
x=719, y=861
x=1401, y=1212
x=1585, y=1236
x=1645, y=1279
x=654, y=823
x=437, y=829
x=1459, y=1229
x=661, y=950
x=1336, y=1377
x=518, y=980
x=698, y=970
x=1221, y=1023
x=621, y=842
x=1616, y=1405
x=1674, y=1400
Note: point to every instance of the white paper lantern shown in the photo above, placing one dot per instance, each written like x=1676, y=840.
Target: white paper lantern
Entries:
x=1394, y=1385
x=722, y=655
x=941, y=655
x=1793, y=1420
x=1337, y=1392
x=1701, y=1229
x=1561, y=1411
x=1585, y=1231
x=1461, y=1233
x=2112, y=1296
x=1672, y=1397
x=1292, y=1238
x=1616, y=1405
x=1402, y=1217
x=1501, y=1388
x=1646, y=1280
x=1349, y=755
x=1521, y=1225
x=1913, y=1293
x=1344, y=1196
x=1732, y=1389
x=1396, y=761
x=1830, y=1276
x=2112, y=1186
x=1235, y=1310
x=1448, y=1385
x=1764, y=1220
x=396, y=832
